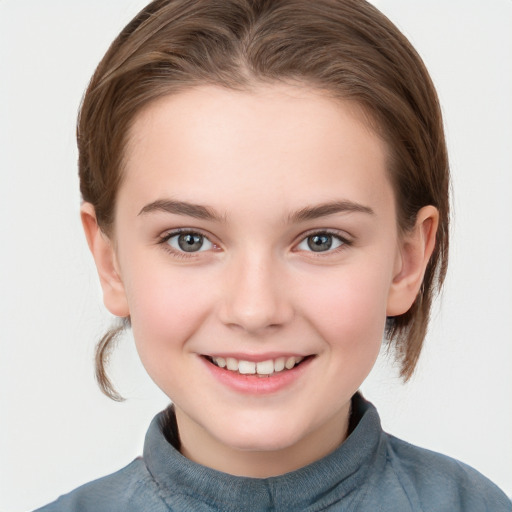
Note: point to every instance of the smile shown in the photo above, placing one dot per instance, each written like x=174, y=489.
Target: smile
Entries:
x=261, y=368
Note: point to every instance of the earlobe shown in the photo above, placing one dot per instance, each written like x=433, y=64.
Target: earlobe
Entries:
x=415, y=252
x=105, y=258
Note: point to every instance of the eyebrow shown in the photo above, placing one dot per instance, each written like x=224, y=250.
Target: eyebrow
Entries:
x=181, y=208
x=325, y=209
x=198, y=211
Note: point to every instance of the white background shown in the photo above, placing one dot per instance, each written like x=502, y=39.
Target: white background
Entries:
x=56, y=429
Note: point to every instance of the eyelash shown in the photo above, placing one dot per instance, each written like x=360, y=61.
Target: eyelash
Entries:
x=344, y=242
x=163, y=240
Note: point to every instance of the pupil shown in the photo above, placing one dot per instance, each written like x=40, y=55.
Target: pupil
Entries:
x=190, y=242
x=319, y=243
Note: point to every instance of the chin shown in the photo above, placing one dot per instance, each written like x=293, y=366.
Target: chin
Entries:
x=271, y=437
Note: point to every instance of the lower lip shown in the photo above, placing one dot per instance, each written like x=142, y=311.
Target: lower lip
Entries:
x=255, y=385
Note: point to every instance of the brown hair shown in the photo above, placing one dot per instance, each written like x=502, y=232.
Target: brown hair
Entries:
x=346, y=48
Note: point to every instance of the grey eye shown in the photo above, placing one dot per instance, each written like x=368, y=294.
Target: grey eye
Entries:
x=190, y=242
x=320, y=242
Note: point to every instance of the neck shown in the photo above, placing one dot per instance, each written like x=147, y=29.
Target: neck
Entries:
x=199, y=446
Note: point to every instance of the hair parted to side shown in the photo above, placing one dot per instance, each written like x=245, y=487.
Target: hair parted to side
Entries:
x=344, y=48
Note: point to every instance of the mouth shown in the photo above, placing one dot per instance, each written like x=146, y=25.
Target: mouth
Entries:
x=262, y=369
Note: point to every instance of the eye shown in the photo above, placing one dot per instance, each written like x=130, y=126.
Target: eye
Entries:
x=189, y=242
x=321, y=242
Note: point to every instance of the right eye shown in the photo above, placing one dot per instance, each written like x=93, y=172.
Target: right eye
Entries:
x=188, y=242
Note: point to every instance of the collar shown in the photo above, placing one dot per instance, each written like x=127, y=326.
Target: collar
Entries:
x=322, y=483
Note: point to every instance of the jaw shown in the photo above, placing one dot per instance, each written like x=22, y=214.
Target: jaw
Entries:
x=270, y=445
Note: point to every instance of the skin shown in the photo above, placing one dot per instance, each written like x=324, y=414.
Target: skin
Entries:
x=255, y=160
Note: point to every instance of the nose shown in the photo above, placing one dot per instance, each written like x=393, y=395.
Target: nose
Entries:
x=255, y=296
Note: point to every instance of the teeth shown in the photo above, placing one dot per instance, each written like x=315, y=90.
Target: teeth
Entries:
x=265, y=367
x=261, y=368
x=290, y=363
x=246, y=367
x=279, y=364
x=232, y=364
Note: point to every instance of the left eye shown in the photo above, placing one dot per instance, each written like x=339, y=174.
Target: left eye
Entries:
x=189, y=242
x=320, y=242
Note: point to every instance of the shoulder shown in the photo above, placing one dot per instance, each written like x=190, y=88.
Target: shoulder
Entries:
x=439, y=482
x=129, y=489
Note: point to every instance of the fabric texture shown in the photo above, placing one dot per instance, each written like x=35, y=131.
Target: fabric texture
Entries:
x=371, y=471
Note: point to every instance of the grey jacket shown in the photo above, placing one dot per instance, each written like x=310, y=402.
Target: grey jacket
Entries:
x=371, y=471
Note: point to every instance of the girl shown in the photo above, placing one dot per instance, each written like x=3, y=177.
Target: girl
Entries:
x=265, y=189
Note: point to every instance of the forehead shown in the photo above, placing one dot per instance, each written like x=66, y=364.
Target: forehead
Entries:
x=288, y=143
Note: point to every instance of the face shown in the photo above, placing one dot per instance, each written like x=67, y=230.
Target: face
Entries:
x=257, y=250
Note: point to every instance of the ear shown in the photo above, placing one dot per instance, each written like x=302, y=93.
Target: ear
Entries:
x=416, y=247
x=104, y=255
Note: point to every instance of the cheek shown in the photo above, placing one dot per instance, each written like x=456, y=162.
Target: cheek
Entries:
x=349, y=311
x=166, y=309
